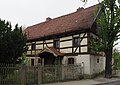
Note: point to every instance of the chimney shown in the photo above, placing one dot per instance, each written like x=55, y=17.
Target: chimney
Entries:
x=48, y=19
x=80, y=8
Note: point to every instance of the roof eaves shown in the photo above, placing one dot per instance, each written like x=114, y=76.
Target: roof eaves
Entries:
x=68, y=33
x=97, y=14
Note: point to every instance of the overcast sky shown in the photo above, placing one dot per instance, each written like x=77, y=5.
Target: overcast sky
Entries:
x=29, y=12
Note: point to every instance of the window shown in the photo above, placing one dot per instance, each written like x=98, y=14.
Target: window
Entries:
x=33, y=46
x=70, y=60
x=56, y=43
x=97, y=60
x=32, y=62
x=76, y=41
x=39, y=60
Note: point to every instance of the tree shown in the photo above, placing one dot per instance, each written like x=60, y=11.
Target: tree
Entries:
x=12, y=43
x=109, y=31
x=116, y=56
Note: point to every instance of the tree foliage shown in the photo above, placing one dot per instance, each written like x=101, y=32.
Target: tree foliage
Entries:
x=116, y=56
x=108, y=24
x=12, y=43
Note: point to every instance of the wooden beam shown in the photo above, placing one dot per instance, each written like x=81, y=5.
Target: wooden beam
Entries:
x=72, y=45
x=88, y=41
x=35, y=48
x=79, y=42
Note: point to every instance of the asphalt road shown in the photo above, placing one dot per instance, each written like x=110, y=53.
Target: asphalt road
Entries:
x=115, y=83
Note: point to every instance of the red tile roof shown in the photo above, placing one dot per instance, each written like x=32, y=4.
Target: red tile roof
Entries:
x=52, y=50
x=79, y=20
x=55, y=51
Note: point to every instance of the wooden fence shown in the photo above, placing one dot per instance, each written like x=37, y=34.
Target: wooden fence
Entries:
x=18, y=74
x=52, y=73
x=35, y=75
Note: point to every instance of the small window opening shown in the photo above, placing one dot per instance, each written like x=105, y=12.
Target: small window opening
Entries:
x=70, y=60
x=76, y=41
x=39, y=60
x=32, y=62
x=98, y=60
x=33, y=46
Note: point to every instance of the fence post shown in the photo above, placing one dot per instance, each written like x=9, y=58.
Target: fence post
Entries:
x=62, y=67
x=22, y=75
x=39, y=74
x=82, y=67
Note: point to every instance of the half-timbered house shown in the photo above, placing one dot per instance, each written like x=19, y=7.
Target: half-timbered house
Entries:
x=65, y=40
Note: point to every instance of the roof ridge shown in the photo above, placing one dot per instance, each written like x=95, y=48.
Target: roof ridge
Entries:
x=62, y=16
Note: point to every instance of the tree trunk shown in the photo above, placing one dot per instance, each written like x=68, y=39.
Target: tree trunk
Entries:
x=108, y=67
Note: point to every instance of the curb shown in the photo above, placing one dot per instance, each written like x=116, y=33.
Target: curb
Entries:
x=108, y=82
